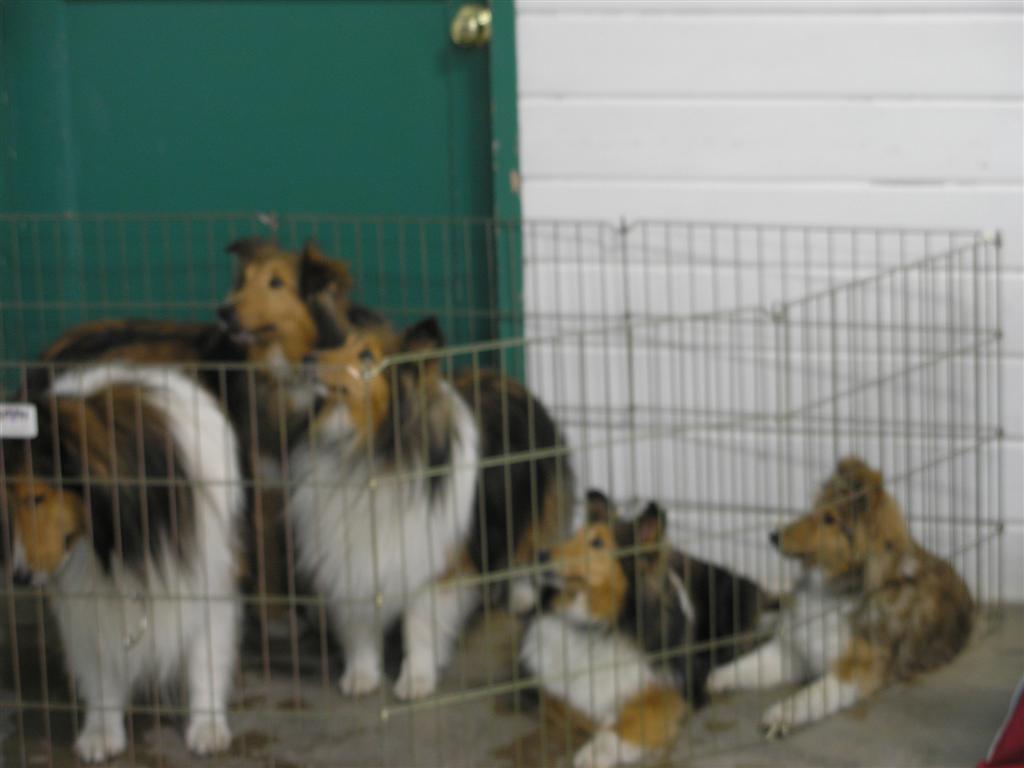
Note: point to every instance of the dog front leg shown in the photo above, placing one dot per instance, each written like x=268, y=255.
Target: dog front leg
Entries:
x=211, y=665
x=103, y=734
x=825, y=696
x=765, y=667
x=432, y=624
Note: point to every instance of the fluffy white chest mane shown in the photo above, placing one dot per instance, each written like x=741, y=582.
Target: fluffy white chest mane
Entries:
x=817, y=628
x=594, y=671
x=367, y=534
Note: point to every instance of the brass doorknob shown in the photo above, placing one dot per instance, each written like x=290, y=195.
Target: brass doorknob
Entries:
x=471, y=27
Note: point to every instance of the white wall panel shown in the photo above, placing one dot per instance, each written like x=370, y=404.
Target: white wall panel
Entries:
x=772, y=8
x=666, y=139
x=583, y=56
x=877, y=114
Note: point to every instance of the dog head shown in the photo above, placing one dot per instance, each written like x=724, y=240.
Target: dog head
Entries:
x=47, y=521
x=852, y=520
x=277, y=294
x=359, y=387
x=597, y=575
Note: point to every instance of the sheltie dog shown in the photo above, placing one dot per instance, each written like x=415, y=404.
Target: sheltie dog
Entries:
x=408, y=483
x=873, y=607
x=629, y=630
x=270, y=319
x=126, y=508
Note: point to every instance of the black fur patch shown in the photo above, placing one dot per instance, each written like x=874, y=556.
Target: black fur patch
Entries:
x=114, y=451
x=510, y=496
x=363, y=317
x=329, y=333
x=725, y=604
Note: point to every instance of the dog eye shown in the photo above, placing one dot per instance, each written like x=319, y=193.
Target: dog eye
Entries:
x=597, y=542
x=366, y=356
x=276, y=282
x=39, y=499
x=829, y=518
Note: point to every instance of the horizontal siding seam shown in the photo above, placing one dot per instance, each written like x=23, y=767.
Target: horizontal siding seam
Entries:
x=847, y=182
x=538, y=97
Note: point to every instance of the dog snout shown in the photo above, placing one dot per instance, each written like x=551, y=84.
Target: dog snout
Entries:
x=774, y=537
x=21, y=576
x=226, y=313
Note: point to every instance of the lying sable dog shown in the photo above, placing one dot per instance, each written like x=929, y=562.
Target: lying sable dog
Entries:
x=873, y=607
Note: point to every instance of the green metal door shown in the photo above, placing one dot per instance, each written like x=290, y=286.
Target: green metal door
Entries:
x=114, y=110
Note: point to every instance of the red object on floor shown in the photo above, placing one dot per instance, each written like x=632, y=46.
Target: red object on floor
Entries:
x=1008, y=747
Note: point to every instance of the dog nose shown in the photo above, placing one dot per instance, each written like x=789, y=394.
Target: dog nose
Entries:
x=774, y=536
x=543, y=556
x=22, y=577
x=226, y=312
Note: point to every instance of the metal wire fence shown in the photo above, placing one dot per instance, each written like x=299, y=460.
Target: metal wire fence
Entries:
x=719, y=370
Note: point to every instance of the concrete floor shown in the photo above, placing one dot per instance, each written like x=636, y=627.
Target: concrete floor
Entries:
x=947, y=718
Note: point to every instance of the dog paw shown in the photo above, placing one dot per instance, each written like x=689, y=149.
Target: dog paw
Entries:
x=721, y=680
x=522, y=597
x=605, y=750
x=775, y=723
x=590, y=755
x=414, y=682
x=208, y=734
x=359, y=680
x=98, y=743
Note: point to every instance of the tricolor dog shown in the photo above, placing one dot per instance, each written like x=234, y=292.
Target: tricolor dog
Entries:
x=126, y=509
x=628, y=629
x=394, y=504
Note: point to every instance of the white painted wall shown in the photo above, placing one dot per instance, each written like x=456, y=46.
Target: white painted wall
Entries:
x=904, y=114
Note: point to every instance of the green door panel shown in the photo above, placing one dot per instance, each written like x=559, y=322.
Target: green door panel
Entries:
x=362, y=107
x=115, y=109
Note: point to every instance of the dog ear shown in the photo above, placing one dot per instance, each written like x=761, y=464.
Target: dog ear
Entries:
x=860, y=476
x=599, y=507
x=246, y=248
x=317, y=272
x=423, y=337
x=650, y=525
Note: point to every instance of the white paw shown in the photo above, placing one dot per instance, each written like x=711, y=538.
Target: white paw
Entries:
x=522, y=597
x=775, y=722
x=98, y=743
x=721, y=680
x=415, y=681
x=208, y=734
x=605, y=750
x=359, y=679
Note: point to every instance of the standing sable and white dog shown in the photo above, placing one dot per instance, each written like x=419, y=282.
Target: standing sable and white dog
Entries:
x=873, y=607
x=392, y=505
x=126, y=508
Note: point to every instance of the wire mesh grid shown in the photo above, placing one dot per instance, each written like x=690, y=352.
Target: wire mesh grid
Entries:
x=718, y=370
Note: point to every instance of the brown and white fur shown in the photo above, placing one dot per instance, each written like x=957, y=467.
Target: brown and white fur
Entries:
x=873, y=607
x=126, y=509
x=270, y=319
x=392, y=506
x=611, y=640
